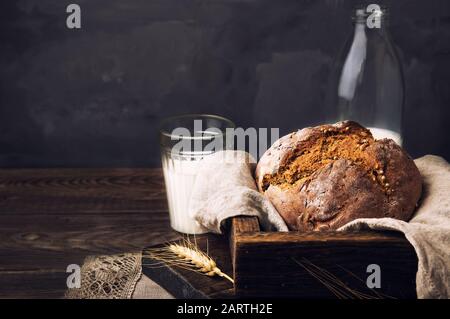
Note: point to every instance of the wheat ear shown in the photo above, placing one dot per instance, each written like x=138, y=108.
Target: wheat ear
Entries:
x=188, y=256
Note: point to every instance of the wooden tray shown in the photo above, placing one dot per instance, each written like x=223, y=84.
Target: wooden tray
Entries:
x=296, y=265
x=319, y=264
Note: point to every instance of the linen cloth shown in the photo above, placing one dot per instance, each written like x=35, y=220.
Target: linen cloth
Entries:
x=225, y=187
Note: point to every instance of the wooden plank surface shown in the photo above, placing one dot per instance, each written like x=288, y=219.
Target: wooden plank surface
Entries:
x=50, y=218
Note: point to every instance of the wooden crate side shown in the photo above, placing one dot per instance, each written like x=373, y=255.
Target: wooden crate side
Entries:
x=320, y=265
x=241, y=225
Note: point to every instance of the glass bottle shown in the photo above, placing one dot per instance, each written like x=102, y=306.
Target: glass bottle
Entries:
x=367, y=81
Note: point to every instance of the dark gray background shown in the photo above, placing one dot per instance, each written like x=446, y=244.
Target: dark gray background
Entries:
x=93, y=97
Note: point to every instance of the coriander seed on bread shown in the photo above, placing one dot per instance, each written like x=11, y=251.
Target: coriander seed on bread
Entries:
x=323, y=177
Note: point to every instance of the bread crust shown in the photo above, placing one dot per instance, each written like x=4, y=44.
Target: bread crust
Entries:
x=381, y=181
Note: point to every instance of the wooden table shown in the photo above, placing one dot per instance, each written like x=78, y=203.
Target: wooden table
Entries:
x=50, y=218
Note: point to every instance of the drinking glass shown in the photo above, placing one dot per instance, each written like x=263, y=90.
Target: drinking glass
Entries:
x=184, y=141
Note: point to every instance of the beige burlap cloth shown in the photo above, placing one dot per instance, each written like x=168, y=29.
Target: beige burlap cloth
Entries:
x=224, y=187
x=120, y=276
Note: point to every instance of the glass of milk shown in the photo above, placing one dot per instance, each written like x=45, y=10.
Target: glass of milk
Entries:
x=184, y=141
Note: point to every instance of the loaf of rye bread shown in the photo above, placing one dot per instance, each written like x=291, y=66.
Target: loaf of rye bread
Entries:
x=320, y=178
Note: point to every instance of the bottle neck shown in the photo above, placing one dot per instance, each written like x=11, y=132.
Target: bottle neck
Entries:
x=381, y=28
x=371, y=22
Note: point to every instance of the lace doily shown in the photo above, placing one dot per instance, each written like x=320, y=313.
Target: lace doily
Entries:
x=108, y=277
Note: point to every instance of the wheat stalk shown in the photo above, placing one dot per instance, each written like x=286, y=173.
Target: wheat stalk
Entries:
x=335, y=285
x=188, y=256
